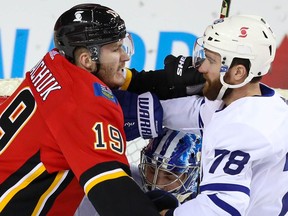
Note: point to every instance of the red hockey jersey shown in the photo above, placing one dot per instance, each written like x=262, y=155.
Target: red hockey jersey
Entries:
x=62, y=122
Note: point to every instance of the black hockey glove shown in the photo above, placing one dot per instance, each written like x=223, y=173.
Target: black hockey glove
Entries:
x=182, y=76
x=163, y=199
x=177, y=79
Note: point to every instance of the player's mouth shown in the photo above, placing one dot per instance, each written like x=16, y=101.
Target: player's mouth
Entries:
x=121, y=71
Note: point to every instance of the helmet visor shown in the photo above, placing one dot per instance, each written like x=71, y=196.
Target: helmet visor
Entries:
x=198, y=53
x=128, y=45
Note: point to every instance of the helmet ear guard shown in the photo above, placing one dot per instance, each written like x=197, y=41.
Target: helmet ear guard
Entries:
x=90, y=26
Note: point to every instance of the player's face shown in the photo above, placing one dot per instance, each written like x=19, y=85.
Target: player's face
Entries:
x=211, y=72
x=112, y=62
x=163, y=179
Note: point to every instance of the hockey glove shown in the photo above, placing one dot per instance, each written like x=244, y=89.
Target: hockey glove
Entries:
x=163, y=199
x=143, y=114
x=182, y=76
x=177, y=79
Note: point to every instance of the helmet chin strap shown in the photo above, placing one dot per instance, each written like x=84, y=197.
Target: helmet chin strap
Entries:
x=221, y=92
x=225, y=86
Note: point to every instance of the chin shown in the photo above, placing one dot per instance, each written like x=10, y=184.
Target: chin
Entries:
x=120, y=81
x=116, y=85
x=210, y=94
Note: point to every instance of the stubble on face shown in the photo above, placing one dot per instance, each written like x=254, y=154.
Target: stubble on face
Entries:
x=112, y=77
x=212, y=88
x=111, y=67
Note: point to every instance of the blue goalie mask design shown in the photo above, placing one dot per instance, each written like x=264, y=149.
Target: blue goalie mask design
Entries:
x=171, y=162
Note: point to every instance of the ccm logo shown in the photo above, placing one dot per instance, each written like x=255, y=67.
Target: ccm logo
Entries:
x=243, y=32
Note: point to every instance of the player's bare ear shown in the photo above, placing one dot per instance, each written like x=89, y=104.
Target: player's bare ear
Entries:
x=85, y=60
x=240, y=72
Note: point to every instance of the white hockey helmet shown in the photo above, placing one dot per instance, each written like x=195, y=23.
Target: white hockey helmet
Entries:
x=240, y=36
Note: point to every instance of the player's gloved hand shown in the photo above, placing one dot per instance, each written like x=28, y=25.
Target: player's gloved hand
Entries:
x=182, y=75
x=163, y=200
x=177, y=79
x=143, y=114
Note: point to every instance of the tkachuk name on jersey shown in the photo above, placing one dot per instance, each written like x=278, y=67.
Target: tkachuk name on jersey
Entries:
x=43, y=80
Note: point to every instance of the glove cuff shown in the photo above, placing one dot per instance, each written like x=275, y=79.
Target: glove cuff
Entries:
x=128, y=76
x=148, y=124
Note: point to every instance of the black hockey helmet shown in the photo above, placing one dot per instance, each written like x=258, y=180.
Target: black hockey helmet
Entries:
x=87, y=25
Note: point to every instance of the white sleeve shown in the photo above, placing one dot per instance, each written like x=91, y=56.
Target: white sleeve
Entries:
x=182, y=113
x=204, y=205
x=86, y=208
x=188, y=113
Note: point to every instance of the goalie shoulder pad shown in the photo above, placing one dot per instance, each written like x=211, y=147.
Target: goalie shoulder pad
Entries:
x=143, y=114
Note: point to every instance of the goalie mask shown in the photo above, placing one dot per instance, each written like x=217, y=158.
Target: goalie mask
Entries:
x=242, y=36
x=171, y=162
x=90, y=26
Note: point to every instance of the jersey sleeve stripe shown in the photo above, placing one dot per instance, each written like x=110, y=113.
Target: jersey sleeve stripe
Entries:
x=286, y=164
x=112, y=174
x=225, y=187
x=26, y=180
x=61, y=176
x=223, y=205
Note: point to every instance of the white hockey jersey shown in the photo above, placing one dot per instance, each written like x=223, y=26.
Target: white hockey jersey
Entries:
x=244, y=154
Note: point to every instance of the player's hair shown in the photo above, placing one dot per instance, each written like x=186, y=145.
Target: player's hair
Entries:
x=87, y=25
x=178, y=154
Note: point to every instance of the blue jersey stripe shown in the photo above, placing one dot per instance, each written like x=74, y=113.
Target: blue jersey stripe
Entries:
x=223, y=205
x=286, y=164
x=225, y=187
x=284, y=209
